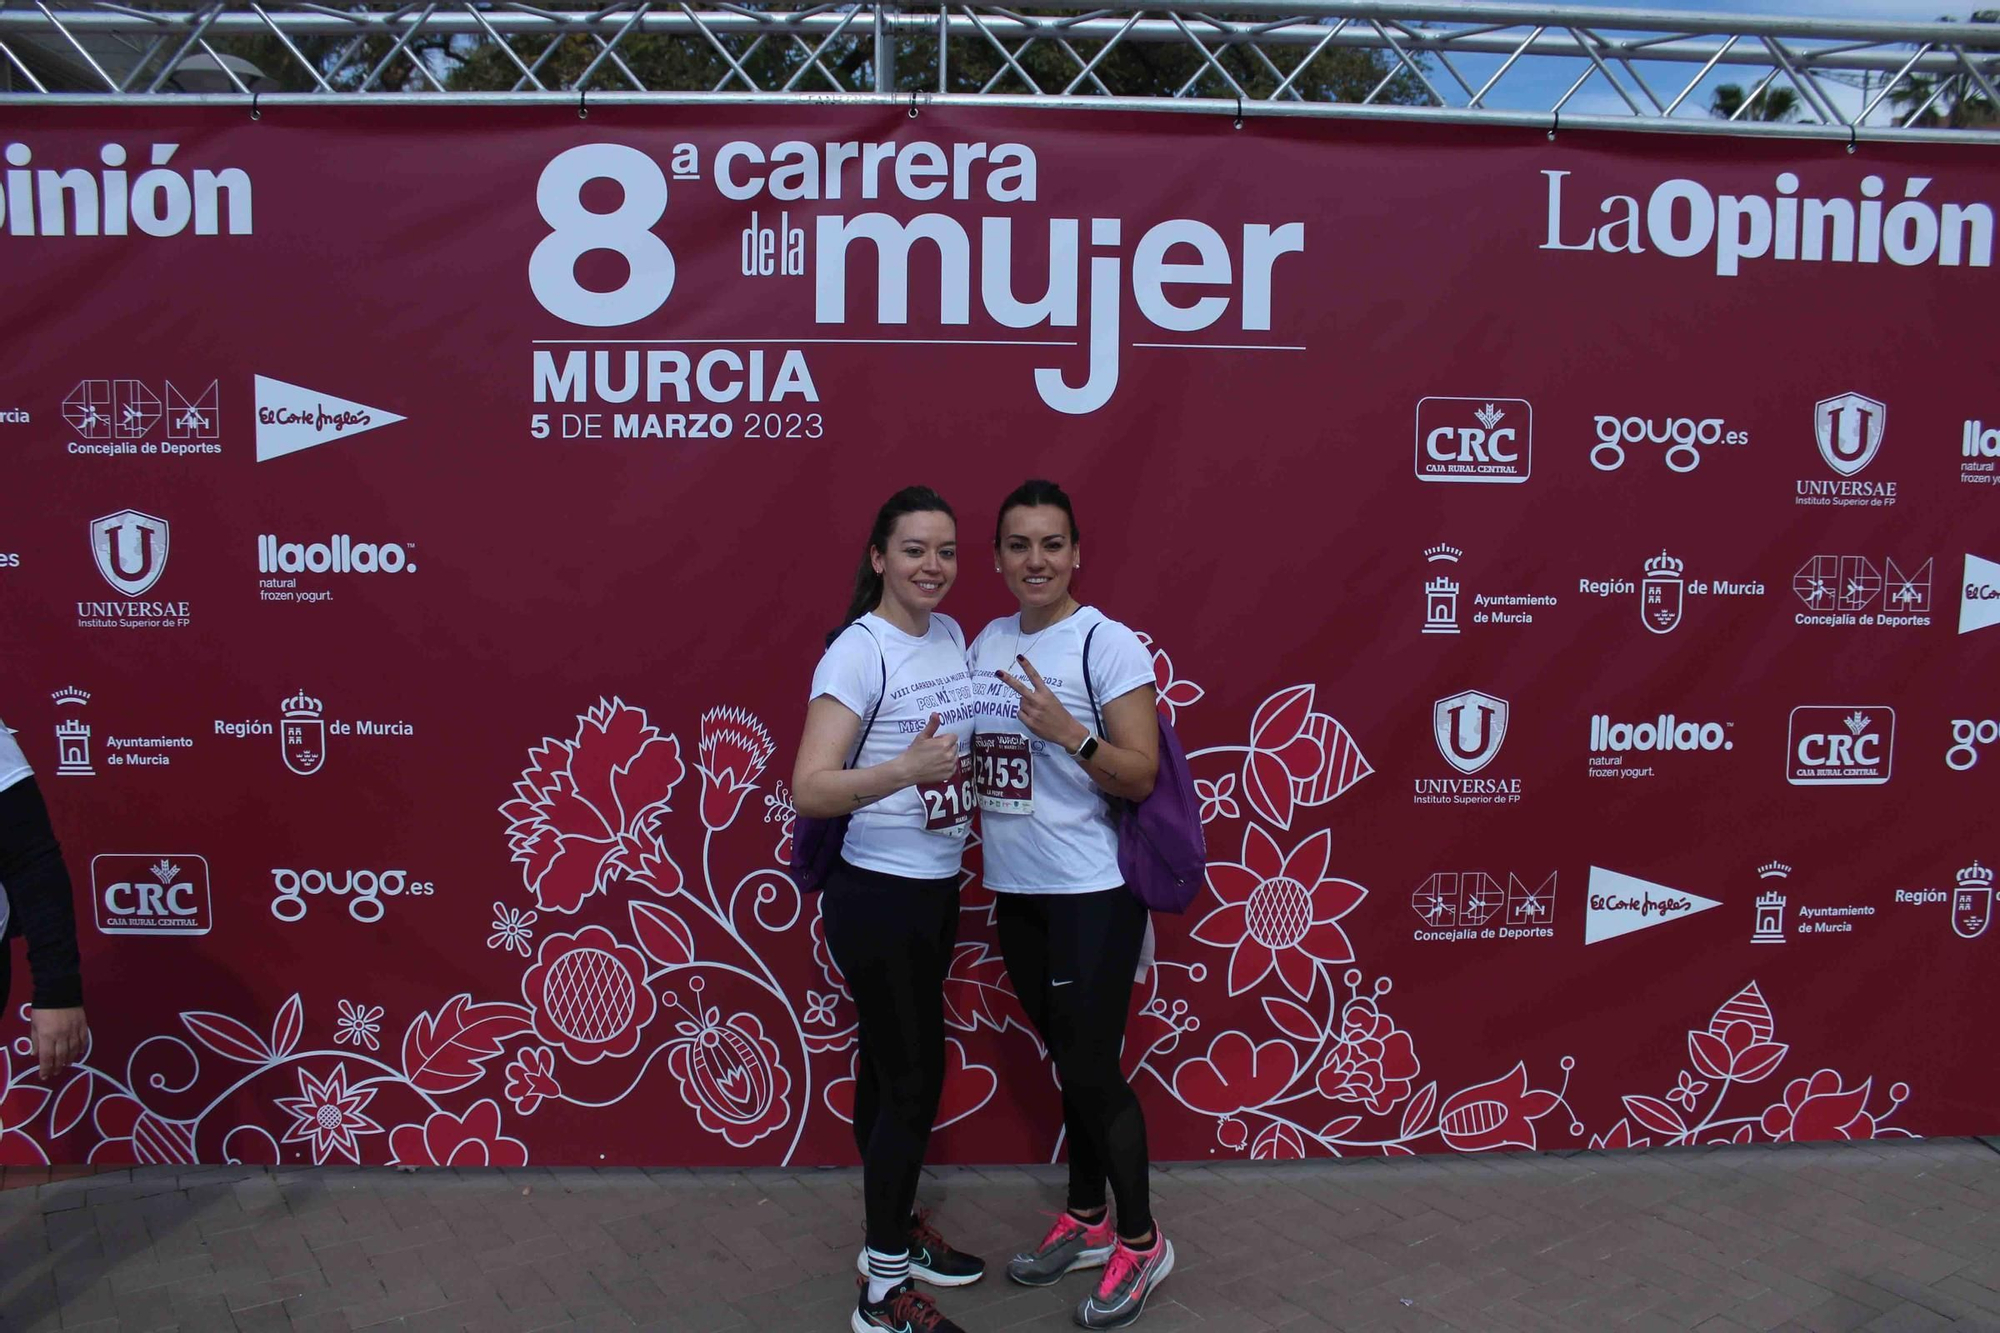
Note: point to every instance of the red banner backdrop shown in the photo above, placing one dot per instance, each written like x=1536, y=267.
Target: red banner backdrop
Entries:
x=1567, y=563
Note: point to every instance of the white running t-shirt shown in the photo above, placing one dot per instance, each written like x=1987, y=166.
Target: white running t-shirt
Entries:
x=918, y=832
x=1064, y=842
x=13, y=764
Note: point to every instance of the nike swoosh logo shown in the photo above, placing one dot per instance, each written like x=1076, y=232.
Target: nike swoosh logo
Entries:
x=1070, y=982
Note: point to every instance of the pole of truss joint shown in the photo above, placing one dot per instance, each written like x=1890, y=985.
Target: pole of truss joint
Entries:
x=885, y=50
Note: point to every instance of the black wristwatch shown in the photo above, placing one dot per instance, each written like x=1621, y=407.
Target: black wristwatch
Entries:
x=1082, y=753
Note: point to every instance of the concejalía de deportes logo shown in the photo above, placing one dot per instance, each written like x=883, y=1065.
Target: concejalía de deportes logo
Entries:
x=1214, y=273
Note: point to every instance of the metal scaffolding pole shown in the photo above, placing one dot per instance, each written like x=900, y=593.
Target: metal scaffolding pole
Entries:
x=1507, y=63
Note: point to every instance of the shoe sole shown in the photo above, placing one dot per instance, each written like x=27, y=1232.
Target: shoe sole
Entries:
x=1166, y=1267
x=1084, y=1259
x=925, y=1275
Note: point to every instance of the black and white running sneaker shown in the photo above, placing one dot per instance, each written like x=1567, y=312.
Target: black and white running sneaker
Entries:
x=932, y=1259
x=903, y=1310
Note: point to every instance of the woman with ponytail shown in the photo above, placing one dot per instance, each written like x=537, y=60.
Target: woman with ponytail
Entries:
x=1066, y=718
x=886, y=743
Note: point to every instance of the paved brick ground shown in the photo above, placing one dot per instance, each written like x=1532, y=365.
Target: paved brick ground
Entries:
x=1876, y=1236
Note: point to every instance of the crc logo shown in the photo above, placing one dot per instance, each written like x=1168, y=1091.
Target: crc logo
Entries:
x=1840, y=745
x=1474, y=439
x=151, y=894
x=1470, y=727
x=130, y=549
x=111, y=409
x=1682, y=437
x=1967, y=735
x=1849, y=428
x=364, y=890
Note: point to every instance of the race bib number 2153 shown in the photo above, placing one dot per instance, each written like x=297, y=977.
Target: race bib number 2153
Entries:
x=1004, y=771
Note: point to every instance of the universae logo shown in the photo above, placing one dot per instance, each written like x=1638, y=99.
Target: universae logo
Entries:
x=1469, y=727
x=130, y=549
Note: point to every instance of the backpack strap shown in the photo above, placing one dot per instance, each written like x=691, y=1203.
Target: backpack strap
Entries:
x=1089, y=688
x=869, y=725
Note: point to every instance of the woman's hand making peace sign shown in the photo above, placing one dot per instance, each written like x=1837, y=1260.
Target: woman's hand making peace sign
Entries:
x=1043, y=713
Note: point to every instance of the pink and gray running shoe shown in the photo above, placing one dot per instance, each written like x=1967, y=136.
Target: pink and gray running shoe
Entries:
x=1130, y=1277
x=1071, y=1244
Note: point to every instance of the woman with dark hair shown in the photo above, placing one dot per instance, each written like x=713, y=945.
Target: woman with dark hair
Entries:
x=35, y=901
x=1070, y=931
x=881, y=744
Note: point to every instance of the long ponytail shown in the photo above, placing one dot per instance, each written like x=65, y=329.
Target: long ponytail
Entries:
x=868, y=583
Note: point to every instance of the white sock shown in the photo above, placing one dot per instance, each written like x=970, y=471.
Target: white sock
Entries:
x=886, y=1272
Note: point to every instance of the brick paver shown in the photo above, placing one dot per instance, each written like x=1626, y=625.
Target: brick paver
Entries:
x=1877, y=1236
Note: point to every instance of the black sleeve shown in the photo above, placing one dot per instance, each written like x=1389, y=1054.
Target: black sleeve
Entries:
x=38, y=890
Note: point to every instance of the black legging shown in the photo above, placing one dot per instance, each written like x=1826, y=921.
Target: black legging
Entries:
x=892, y=938
x=1071, y=957
x=38, y=888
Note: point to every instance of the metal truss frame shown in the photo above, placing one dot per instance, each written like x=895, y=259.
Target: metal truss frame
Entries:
x=1453, y=59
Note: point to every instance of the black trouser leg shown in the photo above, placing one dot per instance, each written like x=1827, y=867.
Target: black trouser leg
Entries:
x=891, y=938
x=1023, y=923
x=38, y=889
x=1071, y=959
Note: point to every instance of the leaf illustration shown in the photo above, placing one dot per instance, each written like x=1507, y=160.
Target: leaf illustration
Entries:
x=1278, y=1142
x=662, y=934
x=286, y=1027
x=71, y=1103
x=1746, y=1006
x=1709, y=1053
x=449, y=1052
x=1337, y=1128
x=1280, y=718
x=1760, y=1061
x=1656, y=1115
x=227, y=1037
x=1292, y=1020
x=1418, y=1113
x=1268, y=787
x=976, y=989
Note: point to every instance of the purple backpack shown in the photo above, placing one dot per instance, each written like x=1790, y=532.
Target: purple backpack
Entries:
x=816, y=843
x=1161, y=851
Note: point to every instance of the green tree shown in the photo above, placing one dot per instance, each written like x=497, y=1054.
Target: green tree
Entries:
x=1953, y=102
x=1776, y=104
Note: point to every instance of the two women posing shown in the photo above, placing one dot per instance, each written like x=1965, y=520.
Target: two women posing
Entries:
x=1037, y=737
